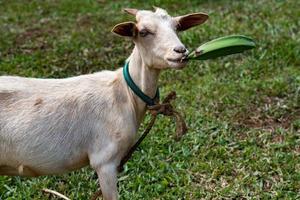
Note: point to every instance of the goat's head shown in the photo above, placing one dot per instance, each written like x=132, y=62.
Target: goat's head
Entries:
x=155, y=35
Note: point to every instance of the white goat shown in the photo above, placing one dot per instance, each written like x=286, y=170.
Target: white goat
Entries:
x=53, y=126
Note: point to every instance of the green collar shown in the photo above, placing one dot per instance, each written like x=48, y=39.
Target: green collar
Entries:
x=148, y=100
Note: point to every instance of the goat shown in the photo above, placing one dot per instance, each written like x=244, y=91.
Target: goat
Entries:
x=53, y=126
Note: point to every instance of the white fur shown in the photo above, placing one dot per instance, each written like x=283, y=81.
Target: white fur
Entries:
x=52, y=126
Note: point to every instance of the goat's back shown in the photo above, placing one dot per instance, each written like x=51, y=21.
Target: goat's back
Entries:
x=45, y=122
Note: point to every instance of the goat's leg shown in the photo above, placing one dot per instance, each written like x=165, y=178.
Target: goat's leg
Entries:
x=107, y=175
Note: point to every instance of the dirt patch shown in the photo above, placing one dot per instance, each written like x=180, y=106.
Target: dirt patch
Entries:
x=258, y=116
x=278, y=139
x=84, y=20
x=32, y=34
x=258, y=119
x=32, y=39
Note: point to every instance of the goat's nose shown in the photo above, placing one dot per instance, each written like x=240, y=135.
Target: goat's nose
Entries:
x=180, y=49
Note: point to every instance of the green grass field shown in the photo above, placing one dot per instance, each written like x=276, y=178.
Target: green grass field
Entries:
x=243, y=111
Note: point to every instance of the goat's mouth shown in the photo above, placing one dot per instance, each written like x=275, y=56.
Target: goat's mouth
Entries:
x=177, y=63
x=178, y=60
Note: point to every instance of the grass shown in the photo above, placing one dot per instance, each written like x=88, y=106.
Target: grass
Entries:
x=243, y=111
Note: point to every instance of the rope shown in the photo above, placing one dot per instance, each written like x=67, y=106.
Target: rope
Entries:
x=166, y=109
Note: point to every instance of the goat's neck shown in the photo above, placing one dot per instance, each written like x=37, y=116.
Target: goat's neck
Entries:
x=145, y=77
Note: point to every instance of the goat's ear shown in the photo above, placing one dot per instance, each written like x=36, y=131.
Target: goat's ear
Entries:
x=127, y=29
x=131, y=11
x=188, y=21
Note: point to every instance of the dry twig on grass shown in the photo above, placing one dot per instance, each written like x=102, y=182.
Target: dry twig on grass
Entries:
x=56, y=193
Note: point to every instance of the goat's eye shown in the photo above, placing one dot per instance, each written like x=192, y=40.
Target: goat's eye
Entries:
x=144, y=33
